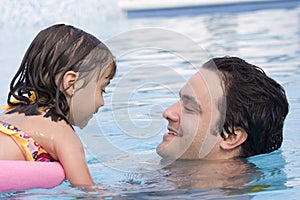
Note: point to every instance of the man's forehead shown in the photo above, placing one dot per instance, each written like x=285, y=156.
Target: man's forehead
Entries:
x=204, y=82
x=208, y=77
x=187, y=89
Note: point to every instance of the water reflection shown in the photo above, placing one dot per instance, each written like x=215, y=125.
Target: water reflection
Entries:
x=234, y=178
x=210, y=174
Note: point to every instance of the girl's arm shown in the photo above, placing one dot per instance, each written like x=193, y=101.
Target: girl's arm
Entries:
x=70, y=153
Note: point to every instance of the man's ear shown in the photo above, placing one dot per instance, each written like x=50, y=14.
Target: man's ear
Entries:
x=68, y=82
x=234, y=140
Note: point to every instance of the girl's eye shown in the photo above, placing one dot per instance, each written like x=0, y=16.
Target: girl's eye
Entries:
x=103, y=91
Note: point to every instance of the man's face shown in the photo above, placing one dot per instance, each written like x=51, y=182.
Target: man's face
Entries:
x=194, y=119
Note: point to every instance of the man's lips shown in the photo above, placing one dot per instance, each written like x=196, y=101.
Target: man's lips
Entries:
x=172, y=131
x=171, y=134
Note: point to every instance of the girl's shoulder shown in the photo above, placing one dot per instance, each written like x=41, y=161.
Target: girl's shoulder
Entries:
x=38, y=126
x=47, y=133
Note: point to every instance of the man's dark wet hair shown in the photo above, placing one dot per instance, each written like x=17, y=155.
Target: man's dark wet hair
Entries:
x=254, y=102
x=53, y=52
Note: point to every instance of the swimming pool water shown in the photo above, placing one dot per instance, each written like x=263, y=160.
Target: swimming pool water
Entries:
x=120, y=140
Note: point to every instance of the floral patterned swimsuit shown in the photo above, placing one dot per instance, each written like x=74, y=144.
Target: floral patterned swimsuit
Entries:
x=30, y=148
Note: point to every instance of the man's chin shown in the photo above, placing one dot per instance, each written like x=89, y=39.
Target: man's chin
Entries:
x=166, y=153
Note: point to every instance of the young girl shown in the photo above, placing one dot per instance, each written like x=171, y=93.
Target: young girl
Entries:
x=60, y=83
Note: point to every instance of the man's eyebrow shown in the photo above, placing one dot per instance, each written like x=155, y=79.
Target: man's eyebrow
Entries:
x=190, y=100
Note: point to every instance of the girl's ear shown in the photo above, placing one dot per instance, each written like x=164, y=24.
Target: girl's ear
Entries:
x=68, y=82
x=232, y=141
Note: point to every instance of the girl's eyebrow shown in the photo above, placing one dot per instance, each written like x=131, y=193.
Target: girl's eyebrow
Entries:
x=188, y=99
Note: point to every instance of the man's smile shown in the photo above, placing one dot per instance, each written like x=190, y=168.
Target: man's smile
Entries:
x=172, y=131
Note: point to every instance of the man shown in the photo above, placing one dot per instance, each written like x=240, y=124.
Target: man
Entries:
x=228, y=109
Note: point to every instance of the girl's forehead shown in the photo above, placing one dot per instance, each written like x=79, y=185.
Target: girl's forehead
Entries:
x=108, y=72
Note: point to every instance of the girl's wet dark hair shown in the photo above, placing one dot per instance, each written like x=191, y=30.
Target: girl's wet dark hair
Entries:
x=254, y=102
x=53, y=52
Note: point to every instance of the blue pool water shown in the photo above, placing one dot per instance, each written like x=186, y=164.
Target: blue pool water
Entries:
x=155, y=57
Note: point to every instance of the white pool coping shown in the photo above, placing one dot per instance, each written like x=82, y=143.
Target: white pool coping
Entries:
x=133, y=5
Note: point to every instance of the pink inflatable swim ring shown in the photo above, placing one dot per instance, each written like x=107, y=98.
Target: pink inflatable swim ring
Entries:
x=22, y=175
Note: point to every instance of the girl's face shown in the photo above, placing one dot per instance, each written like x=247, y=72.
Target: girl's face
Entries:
x=87, y=100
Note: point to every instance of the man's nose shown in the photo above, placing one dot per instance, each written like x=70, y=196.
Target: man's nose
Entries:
x=172, y=113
